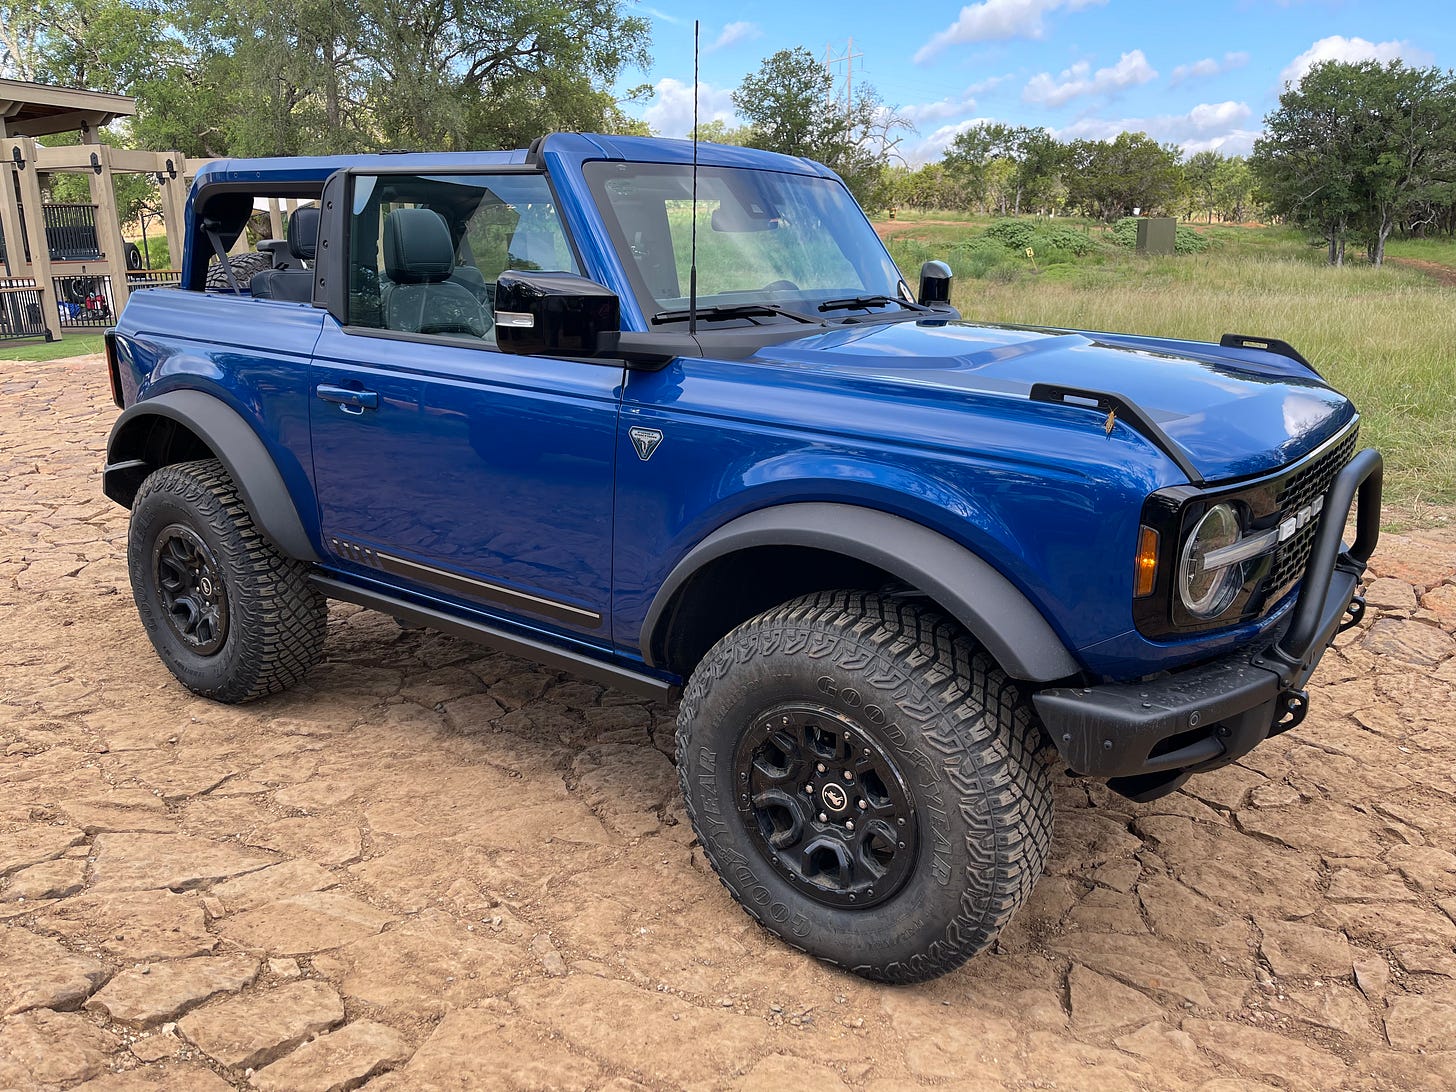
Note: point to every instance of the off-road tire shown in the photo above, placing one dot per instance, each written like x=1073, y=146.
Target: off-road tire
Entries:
x=244, y=266
x=275, y=619
x=965, y=741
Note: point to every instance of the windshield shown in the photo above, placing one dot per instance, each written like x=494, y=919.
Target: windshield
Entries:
x=788, y=240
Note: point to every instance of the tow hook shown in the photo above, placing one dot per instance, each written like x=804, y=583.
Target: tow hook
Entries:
x=1354, y=611
x=1293, y=705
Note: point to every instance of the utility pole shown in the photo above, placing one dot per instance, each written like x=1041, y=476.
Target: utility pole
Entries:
x=831, y=62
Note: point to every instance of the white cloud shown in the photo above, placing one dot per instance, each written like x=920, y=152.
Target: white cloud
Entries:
x=921, y=112
x=654, y=13
x=671, y=111
x=734, y=33
x=1339, y=48
x=1206, y=68
x=1130, y=70
x=998, y=20
x=952, y=106
x=934, y=145
x=1216, y=126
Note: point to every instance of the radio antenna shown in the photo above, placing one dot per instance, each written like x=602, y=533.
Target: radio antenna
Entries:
x=693, y=252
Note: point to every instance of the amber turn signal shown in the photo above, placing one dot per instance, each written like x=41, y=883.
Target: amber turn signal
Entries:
x=1147, y=563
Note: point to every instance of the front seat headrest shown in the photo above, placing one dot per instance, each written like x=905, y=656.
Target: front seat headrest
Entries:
x=417, y=247
x=303, y=231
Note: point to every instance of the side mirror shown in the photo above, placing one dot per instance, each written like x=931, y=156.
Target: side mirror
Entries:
x=559, y=314
x=935, y=278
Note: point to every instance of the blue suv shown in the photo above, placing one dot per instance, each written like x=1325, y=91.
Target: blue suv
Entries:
x=679, y=424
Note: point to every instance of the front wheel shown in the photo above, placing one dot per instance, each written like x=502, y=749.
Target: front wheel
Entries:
x=865, y=781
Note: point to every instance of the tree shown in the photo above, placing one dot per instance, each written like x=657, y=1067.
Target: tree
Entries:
x=1200, y=172
x=101, y=45
x=928, y=187
x=1108, y=179
x=1354, y=147
x=787, y=104
x=1006, y=167
x=719, y=131
x=790, y=107
x=255, y=77
x=1233, y=185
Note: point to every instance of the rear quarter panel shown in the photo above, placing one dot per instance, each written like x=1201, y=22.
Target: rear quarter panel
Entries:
x=251, y=354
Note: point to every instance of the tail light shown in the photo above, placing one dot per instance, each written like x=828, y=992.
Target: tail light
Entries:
x=113, y=368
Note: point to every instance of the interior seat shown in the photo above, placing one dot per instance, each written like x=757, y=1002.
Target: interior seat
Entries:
x=472, y=278
x=419, y=260
x=294, y=284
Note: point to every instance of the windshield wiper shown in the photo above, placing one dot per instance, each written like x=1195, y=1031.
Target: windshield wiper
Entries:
x=737, y=310
x=861, y=302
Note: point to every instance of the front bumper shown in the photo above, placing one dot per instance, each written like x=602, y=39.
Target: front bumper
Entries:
x=1147, y=738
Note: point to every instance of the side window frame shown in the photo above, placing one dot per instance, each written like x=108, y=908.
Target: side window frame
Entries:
x=332, y=287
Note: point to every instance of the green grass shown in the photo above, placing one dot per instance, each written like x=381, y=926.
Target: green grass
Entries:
x=1442, y=251
x=1382, y=336
x=70, y=345
x=157, y=248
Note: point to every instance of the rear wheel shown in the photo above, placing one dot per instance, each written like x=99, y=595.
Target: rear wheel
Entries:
x=866, y=783
x=231, y=617
x=243, y=265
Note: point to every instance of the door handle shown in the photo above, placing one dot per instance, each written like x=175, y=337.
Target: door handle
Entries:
x=350, y=401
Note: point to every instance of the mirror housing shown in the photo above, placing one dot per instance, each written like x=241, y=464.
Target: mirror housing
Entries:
x=935, y=279
x=557, y=314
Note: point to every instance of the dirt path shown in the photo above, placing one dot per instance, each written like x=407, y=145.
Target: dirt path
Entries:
x=477, y=873
x=899, y=227
x=1444, y=274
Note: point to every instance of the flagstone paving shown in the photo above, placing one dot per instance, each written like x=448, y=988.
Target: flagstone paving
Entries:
x=436, y=866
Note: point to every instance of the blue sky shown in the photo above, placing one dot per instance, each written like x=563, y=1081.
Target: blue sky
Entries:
x=1202, y=75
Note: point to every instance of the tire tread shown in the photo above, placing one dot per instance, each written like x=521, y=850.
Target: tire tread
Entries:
x=987, y=735
x=281, y=618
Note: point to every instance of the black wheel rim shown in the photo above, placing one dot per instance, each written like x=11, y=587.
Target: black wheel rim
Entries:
x=826, y=805
x=191, y=589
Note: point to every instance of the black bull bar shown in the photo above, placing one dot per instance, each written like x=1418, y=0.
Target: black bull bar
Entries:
x=1148, y=737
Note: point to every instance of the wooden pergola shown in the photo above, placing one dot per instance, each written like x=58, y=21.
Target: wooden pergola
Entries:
x=30, y=110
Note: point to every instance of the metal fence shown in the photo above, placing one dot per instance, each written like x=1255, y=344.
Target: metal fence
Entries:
x=153, y=278
x=21, y=313
x=85, y=300
x=71, y=232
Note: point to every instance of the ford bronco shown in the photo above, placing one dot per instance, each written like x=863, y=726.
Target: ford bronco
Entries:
x=677, y=422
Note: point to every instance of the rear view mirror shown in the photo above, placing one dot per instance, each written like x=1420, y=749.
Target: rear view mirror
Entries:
x=558, y=314
x=736, y=218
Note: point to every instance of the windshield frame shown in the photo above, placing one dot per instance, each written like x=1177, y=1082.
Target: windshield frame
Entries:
x=869, y=251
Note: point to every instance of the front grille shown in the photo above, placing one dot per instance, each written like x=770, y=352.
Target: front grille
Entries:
x=1301, y=489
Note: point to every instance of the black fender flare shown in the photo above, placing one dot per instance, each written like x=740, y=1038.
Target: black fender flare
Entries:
x=993, y=609
x=235, y=444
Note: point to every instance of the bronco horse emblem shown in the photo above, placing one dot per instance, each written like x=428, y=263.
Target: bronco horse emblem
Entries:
x=645, y=440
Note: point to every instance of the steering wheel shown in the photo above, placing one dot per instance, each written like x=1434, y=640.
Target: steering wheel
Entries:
x=780, y=286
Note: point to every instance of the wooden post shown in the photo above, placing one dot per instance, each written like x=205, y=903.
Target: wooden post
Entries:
x=174, y=202
x=10, y=222
x=275, y=218
x=40, y=251
x=108, y=227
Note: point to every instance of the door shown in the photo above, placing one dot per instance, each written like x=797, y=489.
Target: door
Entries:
x=462, y=472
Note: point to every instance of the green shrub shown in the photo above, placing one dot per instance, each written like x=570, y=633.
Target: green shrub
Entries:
x=1014, y=234
x=1061, y=237
x=1124, y=232
x=1190, y=241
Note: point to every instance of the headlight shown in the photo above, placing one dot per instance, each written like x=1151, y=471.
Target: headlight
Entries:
x=1208, y=585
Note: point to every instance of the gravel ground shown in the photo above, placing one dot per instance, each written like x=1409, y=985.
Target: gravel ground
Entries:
x=437, y=867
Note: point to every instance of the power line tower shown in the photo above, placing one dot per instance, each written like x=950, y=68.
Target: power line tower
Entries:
x=831, y=66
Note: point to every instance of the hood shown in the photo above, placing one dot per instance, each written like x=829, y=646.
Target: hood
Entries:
x=1235, y=413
